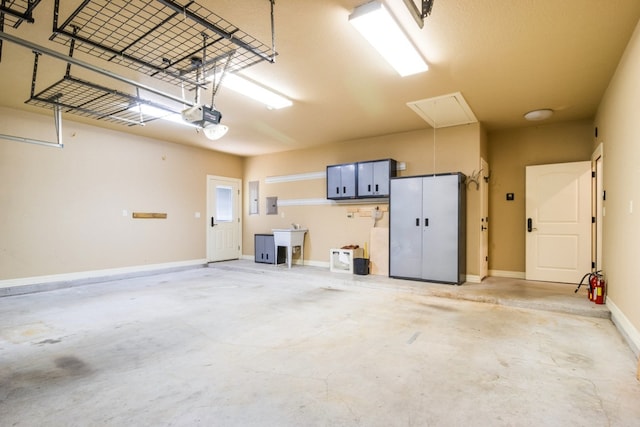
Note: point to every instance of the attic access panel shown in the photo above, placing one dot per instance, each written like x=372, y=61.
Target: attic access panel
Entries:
x=444, y=111
x=159, y=38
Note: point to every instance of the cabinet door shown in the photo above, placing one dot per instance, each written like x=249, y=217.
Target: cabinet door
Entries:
x=348, y=177
x=258, y=242
x=365, y=179
x=334, y=182
x=269, y=249
x=381, y=174
x=406, y=223
x=440, y=231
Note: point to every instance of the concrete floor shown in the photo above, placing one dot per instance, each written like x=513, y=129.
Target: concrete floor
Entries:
x=245, y=344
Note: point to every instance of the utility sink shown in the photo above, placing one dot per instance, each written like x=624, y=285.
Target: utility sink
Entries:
x=289, y=237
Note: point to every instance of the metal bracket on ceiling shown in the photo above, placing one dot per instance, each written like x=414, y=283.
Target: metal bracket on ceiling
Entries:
x=419, y=14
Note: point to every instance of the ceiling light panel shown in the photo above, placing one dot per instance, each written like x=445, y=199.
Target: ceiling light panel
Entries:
x=252, y=90
x=380, y=29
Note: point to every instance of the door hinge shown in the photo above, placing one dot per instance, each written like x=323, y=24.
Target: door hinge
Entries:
x=593, y=264
x=604, y=195
x=593, y=220
x=593, y=174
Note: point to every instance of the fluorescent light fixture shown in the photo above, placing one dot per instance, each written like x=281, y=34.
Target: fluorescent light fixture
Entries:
x=159, y=113
x=247, y=88
x=376, y=24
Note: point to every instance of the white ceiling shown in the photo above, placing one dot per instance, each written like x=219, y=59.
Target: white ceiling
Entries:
x=505, y=57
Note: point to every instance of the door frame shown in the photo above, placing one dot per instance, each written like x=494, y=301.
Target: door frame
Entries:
x=597, y=206
x=211, y=193
x=483, y=268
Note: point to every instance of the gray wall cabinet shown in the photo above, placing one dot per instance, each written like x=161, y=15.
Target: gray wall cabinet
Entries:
x=427, y=236
x=341, y=181
x=359, y=180
x=373, y=177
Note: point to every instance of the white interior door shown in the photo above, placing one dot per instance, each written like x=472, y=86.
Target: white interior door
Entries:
x=558, y=222
x=223, y=218
x=484, y=219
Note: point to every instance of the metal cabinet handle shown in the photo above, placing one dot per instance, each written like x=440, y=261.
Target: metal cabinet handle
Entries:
x=417, y=222
x=426, y=222
x=529, y=225
x=213, y=224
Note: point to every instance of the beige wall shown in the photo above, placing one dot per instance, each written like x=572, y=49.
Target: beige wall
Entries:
x=456, y=149
x=619, y=131
x=62, y=208
x=509, y=152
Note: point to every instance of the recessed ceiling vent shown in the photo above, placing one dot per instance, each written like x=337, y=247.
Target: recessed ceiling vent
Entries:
x=444, y=111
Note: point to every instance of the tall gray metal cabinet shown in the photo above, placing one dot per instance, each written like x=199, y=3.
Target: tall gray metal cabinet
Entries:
x=427, y=236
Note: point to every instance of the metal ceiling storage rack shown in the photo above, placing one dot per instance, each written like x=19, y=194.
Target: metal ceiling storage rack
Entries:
x=167, y=40
x=14, y=13
x=83, y=98
x=160, y=38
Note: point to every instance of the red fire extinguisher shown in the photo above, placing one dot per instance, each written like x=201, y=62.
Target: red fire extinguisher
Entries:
x=596, y=286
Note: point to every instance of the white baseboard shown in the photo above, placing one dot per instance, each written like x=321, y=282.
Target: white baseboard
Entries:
x=628, y=331
x=317, y=263
x=84, y=277
x=508, y=274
